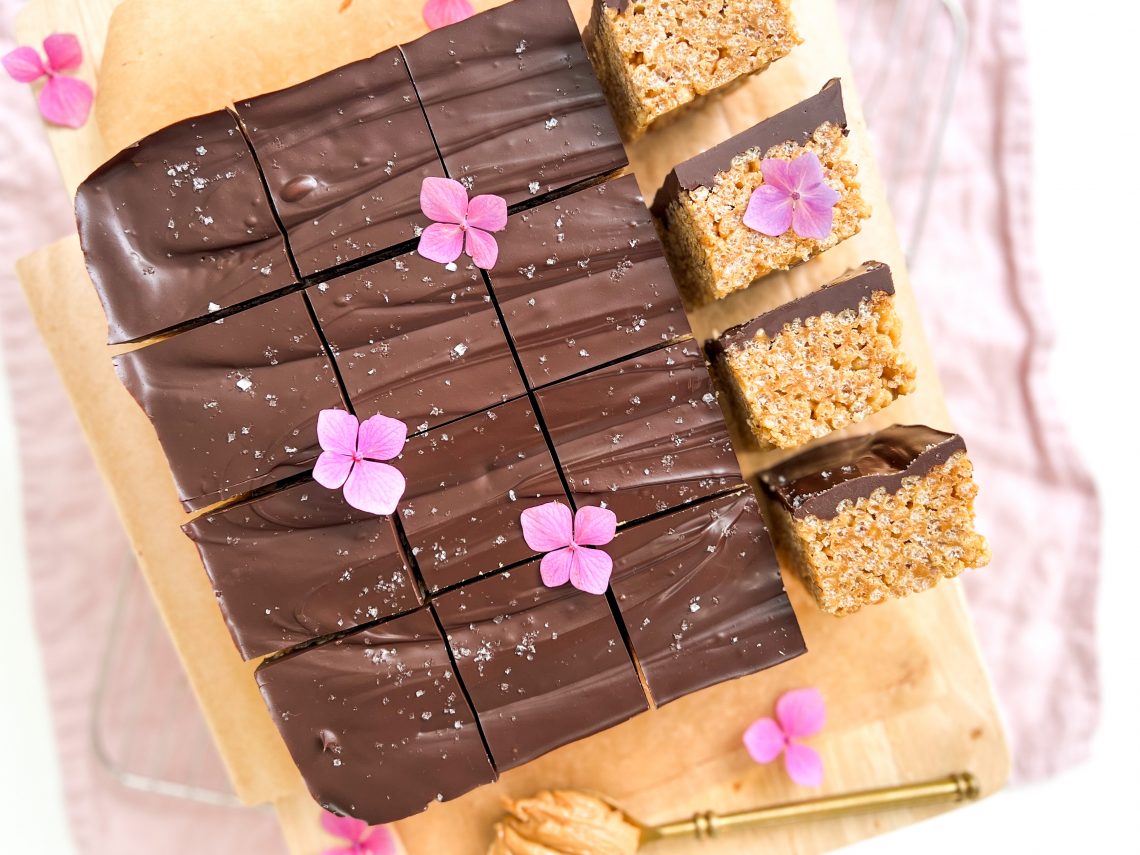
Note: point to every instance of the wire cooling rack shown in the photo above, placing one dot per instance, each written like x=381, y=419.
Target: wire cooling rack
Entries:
x=147, y=731
x=907, y=57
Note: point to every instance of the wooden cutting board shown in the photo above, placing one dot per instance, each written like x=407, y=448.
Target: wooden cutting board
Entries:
x=907, y=695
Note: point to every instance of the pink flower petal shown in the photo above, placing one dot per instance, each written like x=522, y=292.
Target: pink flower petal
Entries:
x=66, y=101
x=555, y=567
x=441, y=13
x=379, y=842
x=482, y=247
x=375, y=488
x=339, y=850
x=822, y=196
x=780, y=174
x=804, y=765
x=63, y=52
x=24, y=65
x=764, y=740
x=803, y=172
x=346, y=827
x=441, y=242
x=381, y=438
x=801, y=712
x=769, y=211
x=548, y=527
x=591, y=570
x=594, y=526
x=332, y=469
x=813, y=220
x=488, y=213
x=337, y=431
x=443, y=200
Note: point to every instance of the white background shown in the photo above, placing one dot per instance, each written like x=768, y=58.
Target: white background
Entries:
x=1084, y=92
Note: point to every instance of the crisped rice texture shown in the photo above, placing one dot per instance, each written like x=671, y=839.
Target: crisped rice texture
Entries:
x=714, y=254
x=820, y=373
x=889, y=544
x=658, y=56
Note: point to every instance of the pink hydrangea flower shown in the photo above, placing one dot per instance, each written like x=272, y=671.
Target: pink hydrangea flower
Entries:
x=799, y=714
x=63, y=100
x=794, y=195
x=549, y=528
x=460, y=225
x=352, y=455
x=441, y=13
x=360, y=838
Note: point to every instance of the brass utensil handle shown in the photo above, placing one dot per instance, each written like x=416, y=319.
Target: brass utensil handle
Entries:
x=959, y=787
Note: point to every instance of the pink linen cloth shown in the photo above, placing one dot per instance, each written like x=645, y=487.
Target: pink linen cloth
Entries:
x=980, y=293
x=982, y=302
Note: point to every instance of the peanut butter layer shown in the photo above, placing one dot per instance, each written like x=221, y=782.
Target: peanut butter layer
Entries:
x=656, y=58
x=871, y=518
x=700, y=209
x=819, y=363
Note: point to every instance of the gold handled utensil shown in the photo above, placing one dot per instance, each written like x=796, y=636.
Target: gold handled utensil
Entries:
x=959, y=787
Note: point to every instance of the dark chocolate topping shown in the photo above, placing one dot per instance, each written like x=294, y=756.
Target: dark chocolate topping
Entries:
x=796, y=125
x=344, y=156
x=235, y=403
x=619, y=5
x=583, y=281
x=295, y=565
x=818, y=481
x=641, y=436
x=513, y=102
x=701, y=597
x=177, y=226
x=468, y=484
x=543, y=666
x=377, y=721
x=416, y=342
x=846, y=292
x=377, y=718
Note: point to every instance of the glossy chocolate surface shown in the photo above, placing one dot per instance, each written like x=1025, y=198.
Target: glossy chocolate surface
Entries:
x=818, y=481
x=513, y=102
x=846, y=292
x=235, y=402
x=642, y=436
x=377, y=721
x=178, y=226
x=416, y=342
x=543, y=666
x=468, y=484
x=796, y=125
x=701, y=597
x=344, y=156
x=377, y=718
x=299, y=564
x=582, y=281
